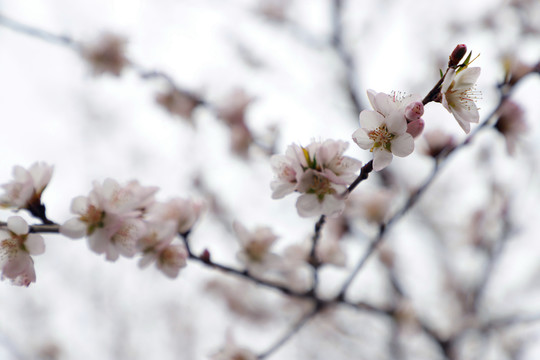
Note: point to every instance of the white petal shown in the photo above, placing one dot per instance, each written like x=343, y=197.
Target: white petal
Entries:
x=370, y=119
x=308, y=205
x=450, y=76
x=385, y=104
x=73, y=228
x=396, y=123
x=381, y=159
x=467, y=77
x=332, y=205
x=403, y=145
x=371, y=96
x=17, y=225
x=361, y=138
x=79, y=205
x=34, y=244
x=280, y=189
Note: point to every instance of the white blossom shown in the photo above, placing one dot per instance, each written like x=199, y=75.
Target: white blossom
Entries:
x=156, y=246
x=111, y=217
x=255, y=248
x=16, y=246
x=27, y=185
x=384, y=130
x=459, y=95
x=183, y=212
x=319, y=172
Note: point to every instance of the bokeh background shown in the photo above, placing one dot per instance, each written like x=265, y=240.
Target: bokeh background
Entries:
x=283, y=56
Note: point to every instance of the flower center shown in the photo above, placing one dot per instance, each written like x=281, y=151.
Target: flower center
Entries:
x=381, y=138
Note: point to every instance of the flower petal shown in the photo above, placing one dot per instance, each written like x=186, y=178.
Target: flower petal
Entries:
x=381, y=159
x=73, y=228
x=361, y=138
x=370, y=119
x=35, y=244
x=396, y=123
x=403, y=145
x=17, y=225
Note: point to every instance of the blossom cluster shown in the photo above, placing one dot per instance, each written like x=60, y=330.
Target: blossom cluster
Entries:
x=118, y=220
x=319, y=172
x=124, y=220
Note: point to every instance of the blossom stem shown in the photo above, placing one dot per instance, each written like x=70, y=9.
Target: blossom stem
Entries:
x=364, y=173
x=435, y=92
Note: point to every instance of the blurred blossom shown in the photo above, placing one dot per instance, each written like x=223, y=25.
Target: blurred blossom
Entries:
x=242, y=298
x=184, y=213
x=16, y=246
x=106, y=54
x=372, y=206
x=231, y=351
x=438, y=141
x=111, y=217
x=275, y=10
x=27, y=185
x=459, y=95
x=156, y=248
x=233, y=112
x=384, y=131
x=178, y=102
x=255, y=248
x=511, y=124
x=319, y=172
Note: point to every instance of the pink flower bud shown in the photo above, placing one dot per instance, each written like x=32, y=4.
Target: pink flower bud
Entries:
x=414, y=111
x=415, y=127
x=456, y=56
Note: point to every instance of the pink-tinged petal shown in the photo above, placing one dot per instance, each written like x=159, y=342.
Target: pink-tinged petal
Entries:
x=242, y=233
x=17, y=225
x=308, y=205
x=35, y=244
x=467, y=77
x=381, y=159
x=361, y=138
x=403, y=145
x=370, y=119
x=74, y=228
x=21, y=174
x=16, y=264
x=415, y=127
x=396, y=123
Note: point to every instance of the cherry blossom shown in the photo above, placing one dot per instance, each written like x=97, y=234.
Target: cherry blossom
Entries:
x=183, y=212
x=319, y=172
x=16, y=246
x=27, y=185
x=255, y=248
x=156, y=246
x=111, y=217
x=384, y=130
x=459, y=95
x=511, y=124
x=231, y=351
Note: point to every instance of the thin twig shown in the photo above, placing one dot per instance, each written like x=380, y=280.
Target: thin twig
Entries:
x=292, y=331
x=345, y=56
